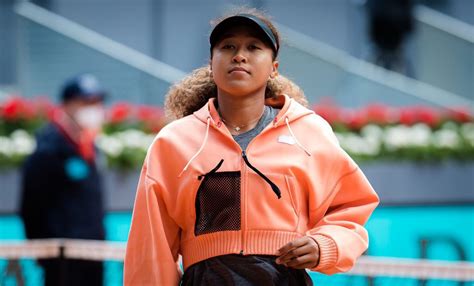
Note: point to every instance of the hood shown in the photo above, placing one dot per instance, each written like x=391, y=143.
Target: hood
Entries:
x=289, y=109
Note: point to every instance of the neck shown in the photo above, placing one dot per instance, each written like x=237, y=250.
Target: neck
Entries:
x=243, y=111
x=63, y=118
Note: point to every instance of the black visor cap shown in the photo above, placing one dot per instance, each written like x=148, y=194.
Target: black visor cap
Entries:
x=244, y=19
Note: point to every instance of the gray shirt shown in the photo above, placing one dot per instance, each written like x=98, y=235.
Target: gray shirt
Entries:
x=268, y=115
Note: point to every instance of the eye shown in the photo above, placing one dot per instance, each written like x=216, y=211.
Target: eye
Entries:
x=254, y=47
x=227, y=46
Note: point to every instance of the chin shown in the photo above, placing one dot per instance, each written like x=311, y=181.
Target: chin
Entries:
x=241, y=89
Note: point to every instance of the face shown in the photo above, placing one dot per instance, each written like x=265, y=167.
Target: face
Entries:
x=242, y=63
x=91, y=116
x=88, y=114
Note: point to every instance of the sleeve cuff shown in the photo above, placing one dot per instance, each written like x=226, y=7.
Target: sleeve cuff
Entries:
x=327, y=252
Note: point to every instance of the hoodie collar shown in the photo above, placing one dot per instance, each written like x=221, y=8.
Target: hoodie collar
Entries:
x=289, y=108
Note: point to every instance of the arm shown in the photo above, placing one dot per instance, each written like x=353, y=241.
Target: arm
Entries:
x=37, y=190
x=334, y=243
x=153, y=243
x=336, y=236
x=340, y=233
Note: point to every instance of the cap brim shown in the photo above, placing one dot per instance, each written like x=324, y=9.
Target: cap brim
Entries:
x=243, y=19
x=94, y=97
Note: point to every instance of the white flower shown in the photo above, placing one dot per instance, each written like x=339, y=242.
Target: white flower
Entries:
x=372, y=131
x=113, y=145
x=396, y=137
x=420, y=135
x=446, y=138
x=359, y=145
x=23, y=143
x=6, y=146
x=373, y=136
x=110, y=145
x=467, y=131
x=401, y=136
x=132, y=138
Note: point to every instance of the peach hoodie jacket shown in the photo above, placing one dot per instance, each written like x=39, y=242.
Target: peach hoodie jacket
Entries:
x=200, y=195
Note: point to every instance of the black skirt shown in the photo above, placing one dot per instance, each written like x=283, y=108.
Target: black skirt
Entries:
x=234, y=269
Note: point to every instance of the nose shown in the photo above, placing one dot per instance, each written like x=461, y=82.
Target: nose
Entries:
x=239, y=58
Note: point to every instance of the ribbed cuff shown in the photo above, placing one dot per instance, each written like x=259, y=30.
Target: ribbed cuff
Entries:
x=327, y=252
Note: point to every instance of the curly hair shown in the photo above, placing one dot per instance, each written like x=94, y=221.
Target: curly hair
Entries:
x=193, y=92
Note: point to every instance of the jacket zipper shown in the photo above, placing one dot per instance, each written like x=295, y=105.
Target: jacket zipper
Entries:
x=243, y=174
x=243, y=190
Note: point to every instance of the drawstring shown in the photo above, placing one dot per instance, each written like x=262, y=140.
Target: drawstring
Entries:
x=294, y=137
x=212, y=171
x=275, y=188
x=200, y=148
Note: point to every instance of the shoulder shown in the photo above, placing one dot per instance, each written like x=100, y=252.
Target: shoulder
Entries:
x=177, y=133
x=319, y=128
x=327, y=145
x=179, y=129
x=49, y=144
x=49, y=139
x=318, y=122
x=172, y=146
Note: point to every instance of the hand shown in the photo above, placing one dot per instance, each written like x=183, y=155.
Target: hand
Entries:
x=300, y=253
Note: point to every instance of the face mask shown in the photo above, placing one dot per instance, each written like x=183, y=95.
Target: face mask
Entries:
x=91, y=117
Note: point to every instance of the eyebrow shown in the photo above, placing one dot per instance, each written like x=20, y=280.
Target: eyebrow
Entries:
x=230, y=35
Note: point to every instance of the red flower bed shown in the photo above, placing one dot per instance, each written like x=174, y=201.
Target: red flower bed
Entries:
x=123, y=115
x=355, y=119
x=19, y=112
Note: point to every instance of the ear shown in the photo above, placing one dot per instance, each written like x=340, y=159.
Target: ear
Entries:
x=274, y=73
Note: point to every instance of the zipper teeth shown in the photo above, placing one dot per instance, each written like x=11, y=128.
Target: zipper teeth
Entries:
x=243, y=175
x=243, y=182
x=243, y=198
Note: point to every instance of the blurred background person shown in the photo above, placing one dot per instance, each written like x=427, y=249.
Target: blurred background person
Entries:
x=61, y=186
x=390, y=23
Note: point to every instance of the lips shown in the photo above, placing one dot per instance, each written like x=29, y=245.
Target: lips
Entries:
x=238, y=69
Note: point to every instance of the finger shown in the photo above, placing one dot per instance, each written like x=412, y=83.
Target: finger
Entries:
x=308, y=259
x=293, y=244
x=304, y=266
x=310, y=247
x=300, y=251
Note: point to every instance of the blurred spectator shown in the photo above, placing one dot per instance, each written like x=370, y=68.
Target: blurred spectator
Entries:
x=390, y=22
x=62, y=192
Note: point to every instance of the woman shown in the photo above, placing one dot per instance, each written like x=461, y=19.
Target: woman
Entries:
x=248, y=185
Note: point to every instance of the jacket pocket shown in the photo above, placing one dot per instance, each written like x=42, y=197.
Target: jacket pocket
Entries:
x=217, y=203
x=265, y=210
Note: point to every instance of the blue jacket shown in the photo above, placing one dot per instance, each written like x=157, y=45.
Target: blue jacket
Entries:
x=61, y=192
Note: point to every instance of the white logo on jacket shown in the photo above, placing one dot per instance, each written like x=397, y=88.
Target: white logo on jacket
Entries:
x=287, y=139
